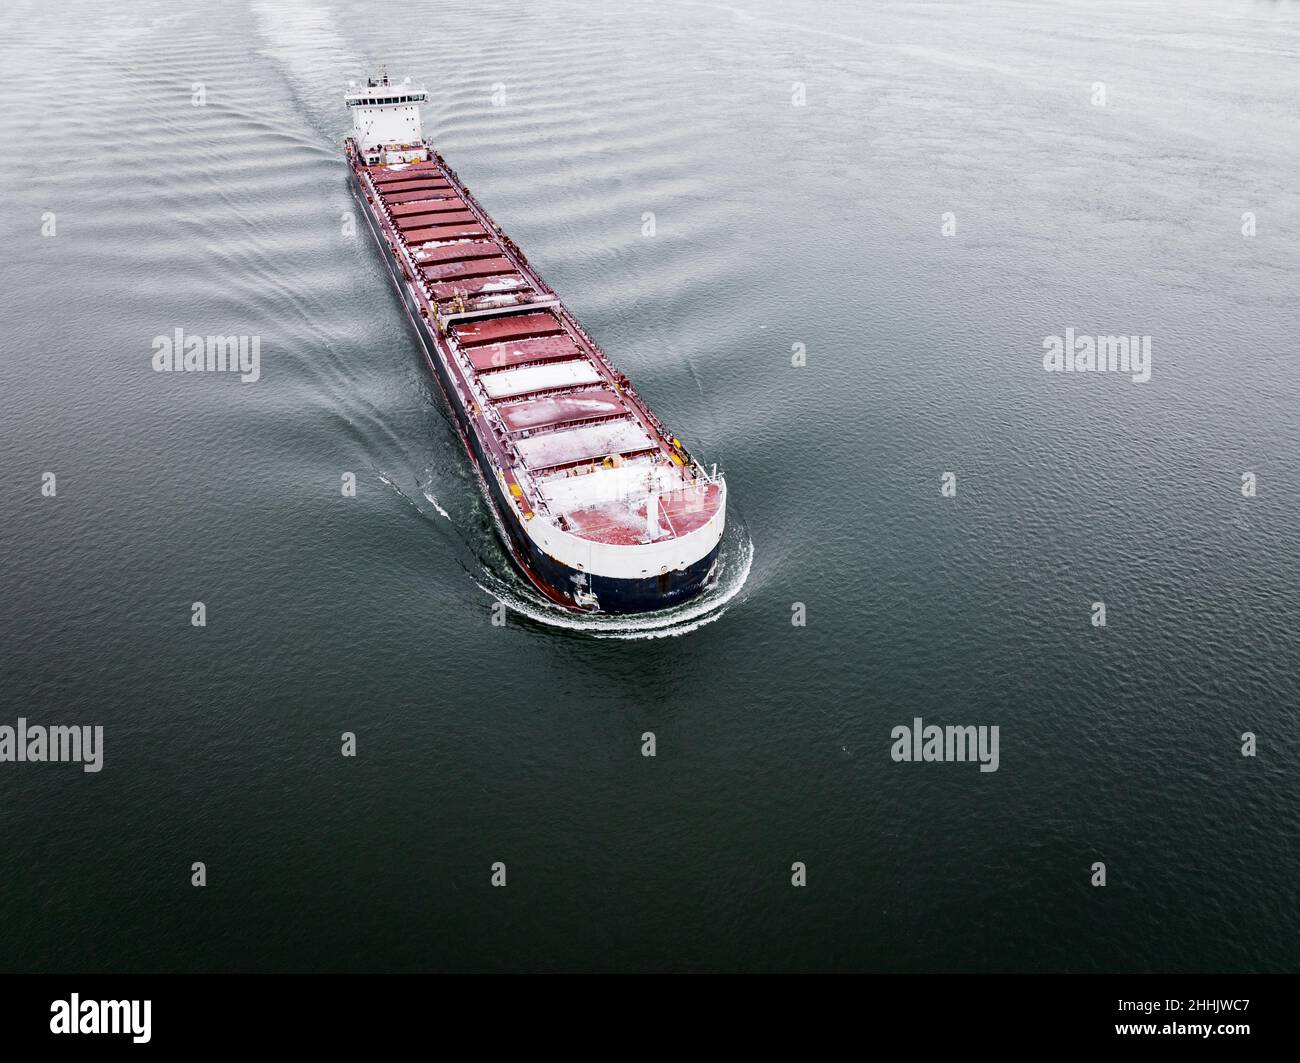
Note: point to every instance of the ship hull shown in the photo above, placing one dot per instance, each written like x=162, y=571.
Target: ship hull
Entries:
x=562, y=584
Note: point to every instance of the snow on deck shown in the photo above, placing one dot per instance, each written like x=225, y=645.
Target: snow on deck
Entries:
x=540, y=372
x=633, y=479
x=538, y=377
x=561, y=409
x=582, y=444
x=623, y=521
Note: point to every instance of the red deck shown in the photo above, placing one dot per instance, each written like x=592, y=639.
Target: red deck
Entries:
x=430, y=221
x=549, y=402
x=464, y=251
x=427, y=206
x=496, y=330
x=520, y=352
x=445, y=291
x=443, y=232
x=623, y=524
x=476, y=267
x=416, y=194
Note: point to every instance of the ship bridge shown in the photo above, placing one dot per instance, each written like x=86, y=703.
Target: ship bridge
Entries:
x=386, y=121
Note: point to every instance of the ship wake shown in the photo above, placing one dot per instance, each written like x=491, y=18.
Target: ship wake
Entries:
x=488, y=564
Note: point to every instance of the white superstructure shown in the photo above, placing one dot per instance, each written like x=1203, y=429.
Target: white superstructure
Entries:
x=386, y=121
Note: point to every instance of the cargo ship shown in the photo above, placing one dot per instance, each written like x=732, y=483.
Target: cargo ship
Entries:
x=602, y=507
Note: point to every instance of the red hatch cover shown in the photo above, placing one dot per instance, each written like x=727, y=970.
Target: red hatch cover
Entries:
x=492, y=284
x=415, y=196
x=384, y=177
x=480, y=267
x=501, y=329
x=426, y=206
x=426, y=183
x=533, y=349
x=561, y=409
x=455, y=252
x=442, y=232
x=458, y=217
x=432, y=221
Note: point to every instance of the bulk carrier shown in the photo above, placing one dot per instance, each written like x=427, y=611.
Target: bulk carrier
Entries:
x=601, y=507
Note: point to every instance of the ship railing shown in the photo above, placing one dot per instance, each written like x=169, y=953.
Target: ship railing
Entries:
x=697, y=490
x=698, y=486
x=701, y=475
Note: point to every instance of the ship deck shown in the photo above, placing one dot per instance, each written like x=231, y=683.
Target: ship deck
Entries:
x=573, y=439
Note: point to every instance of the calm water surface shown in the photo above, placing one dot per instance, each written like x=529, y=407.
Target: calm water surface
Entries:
x=776, y=225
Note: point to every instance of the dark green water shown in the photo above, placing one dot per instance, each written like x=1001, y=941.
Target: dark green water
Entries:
x=776, y=225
